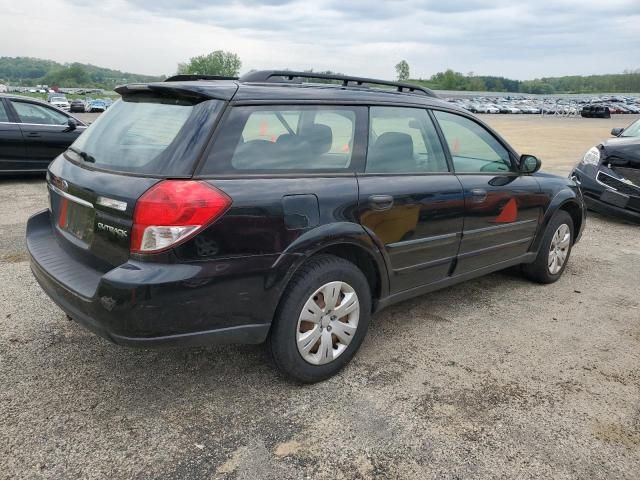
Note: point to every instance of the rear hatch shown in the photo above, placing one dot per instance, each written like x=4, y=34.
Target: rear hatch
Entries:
x=147, y=136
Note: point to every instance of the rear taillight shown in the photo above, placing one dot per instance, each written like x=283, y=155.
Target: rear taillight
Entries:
x=172, y=211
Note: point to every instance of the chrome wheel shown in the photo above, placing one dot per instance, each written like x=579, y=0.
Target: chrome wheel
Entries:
x=328, y=323
x=559, y=248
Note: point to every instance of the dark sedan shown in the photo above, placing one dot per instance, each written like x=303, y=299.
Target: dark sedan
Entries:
x=32, y=134
x=609, y=174
x=77, y=105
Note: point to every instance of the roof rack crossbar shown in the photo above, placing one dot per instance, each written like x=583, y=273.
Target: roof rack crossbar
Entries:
x=277, y=76
x=183, y=77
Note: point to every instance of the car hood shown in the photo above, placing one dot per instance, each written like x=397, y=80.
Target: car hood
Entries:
x=622, y=141
x=623, y=149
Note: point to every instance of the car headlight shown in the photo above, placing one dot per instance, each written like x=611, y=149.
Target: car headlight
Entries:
x=592, y=157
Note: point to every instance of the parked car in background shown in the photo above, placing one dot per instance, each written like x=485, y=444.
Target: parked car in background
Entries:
x=262, y=209
x=609, y=175
x=509, y=109
x=107, y=102
x=32, y=134
x=96, y=106
x=595, y=111
x=60, y=102
x=77, y=105
x=54, y=95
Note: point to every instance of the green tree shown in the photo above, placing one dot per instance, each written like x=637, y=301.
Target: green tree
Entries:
x=402, y=69
x=215, y=63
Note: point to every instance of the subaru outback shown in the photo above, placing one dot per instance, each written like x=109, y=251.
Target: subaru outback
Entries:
x=269, y=208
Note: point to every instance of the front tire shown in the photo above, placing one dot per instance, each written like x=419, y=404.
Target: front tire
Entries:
x=322, y=319
x=555, y=250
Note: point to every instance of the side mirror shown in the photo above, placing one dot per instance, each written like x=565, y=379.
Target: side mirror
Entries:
x=71, y=124
x=529, y=164
x=617, y=131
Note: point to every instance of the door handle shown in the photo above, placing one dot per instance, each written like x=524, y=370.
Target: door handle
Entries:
x=381, y=202
x=478, y=195
x=33, y=134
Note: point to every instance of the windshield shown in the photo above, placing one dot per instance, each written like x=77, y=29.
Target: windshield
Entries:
x=146, y=134
x=632, y=130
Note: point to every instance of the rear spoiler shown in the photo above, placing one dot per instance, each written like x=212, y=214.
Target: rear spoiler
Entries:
x=204, y=91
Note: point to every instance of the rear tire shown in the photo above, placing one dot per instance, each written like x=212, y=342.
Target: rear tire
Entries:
x=322, y=319
x=554, y=252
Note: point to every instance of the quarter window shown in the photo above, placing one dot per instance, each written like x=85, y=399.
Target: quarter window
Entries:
x=32, y=113
x=281, y=139
x=403, y=140
x=473, y=149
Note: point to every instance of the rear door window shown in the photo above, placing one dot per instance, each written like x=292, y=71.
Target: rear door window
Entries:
x=283, y=139
x=147, y=134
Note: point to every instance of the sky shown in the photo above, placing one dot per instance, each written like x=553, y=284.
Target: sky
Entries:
x=520, y=39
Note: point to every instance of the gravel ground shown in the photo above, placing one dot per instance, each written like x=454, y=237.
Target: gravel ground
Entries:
x=494, y=378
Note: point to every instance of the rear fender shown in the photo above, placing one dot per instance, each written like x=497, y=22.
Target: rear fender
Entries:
x=324, y=236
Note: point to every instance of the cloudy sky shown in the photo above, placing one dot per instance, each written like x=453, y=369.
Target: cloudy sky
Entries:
x=520, y=39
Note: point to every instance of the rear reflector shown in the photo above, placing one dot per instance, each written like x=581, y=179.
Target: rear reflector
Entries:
x=172, y=211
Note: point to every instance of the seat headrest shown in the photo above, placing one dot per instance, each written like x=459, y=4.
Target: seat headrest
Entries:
x=320, y=138
x=392, y=152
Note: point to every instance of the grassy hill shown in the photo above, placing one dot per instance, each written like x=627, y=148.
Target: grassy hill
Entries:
x=26, y=71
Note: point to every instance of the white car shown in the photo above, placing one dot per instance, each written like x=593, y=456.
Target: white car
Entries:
x=60, y=103
x=511, y=109
x=492, y=109
x=528, y=109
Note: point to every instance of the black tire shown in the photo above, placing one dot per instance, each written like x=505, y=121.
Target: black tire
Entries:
x=539, y=270
x=315, y=273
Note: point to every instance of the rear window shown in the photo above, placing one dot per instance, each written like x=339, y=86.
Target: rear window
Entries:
x=283, y=139
x=147, y=134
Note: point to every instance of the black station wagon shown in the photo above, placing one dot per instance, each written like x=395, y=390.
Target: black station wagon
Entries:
x=205, y=210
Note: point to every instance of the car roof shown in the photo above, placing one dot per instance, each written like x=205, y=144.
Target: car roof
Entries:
x=248, y=92
x=22, y=97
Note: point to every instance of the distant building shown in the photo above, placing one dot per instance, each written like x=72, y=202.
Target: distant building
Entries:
x=3, y=88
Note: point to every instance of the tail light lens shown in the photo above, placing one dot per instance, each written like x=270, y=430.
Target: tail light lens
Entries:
x=172, y=211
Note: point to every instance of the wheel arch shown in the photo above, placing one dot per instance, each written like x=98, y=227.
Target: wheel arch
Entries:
x=568, y=201
x=344, y=240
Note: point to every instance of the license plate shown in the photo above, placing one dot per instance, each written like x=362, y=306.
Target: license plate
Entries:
x=614, y=198
x=76, y=219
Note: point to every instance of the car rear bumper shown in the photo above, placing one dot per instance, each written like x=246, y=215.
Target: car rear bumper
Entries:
x=148, y=304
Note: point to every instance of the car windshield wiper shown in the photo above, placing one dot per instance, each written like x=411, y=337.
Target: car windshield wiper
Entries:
x=84, y=155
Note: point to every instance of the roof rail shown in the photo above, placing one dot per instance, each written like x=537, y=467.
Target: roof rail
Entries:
x=183, y=77
x=283, y=76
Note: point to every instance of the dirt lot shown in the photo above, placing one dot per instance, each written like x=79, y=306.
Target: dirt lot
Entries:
x=495, y=378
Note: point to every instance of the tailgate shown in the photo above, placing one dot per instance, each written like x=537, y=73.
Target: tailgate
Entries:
x=92, y=212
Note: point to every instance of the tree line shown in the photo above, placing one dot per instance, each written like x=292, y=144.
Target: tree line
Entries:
x=627, y=82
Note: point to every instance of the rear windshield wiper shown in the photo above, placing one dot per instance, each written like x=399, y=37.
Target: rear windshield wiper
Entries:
x=84, y=155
